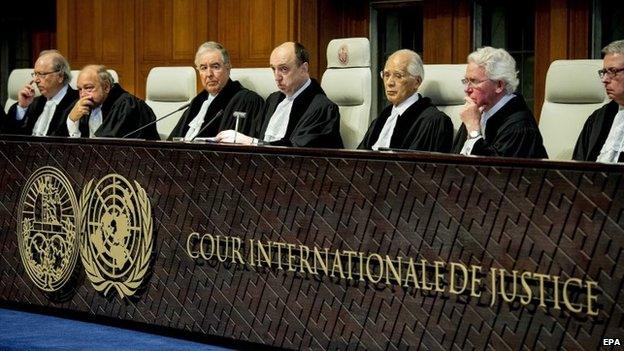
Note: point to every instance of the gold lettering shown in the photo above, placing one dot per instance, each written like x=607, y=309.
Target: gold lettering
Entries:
x=236, y=246
x=279, y=254
x=527, y=289
x=219, y=244
x=541, y=278
x=423, y=267
x=556, y=291
x=411, y=274
x=304, y=259
x=591, y=298
x=390, y=268
x=349, y=255
x=464, y=272
x=361, y=268
x=189, y=250
x=251, y=260
x=264, y=254
x=437, y=265
x=337, y=264
x=324, y=263
x=514, y=285
x=291, y=257
x=369, y=270
x=566, y=298
x=494, y=293
x=474, y=281
x=201, y=246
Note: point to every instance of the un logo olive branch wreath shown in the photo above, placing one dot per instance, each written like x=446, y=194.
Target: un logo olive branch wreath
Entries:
x=112, y=232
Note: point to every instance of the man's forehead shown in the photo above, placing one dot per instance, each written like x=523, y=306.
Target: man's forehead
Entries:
x=44, y=61
x=613, y=58
x=86, y=77
x=211, y=56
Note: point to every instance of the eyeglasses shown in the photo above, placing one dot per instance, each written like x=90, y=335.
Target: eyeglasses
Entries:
x=609, y=72
x=215, y=67
x=42, y=74
x=385, y=75
x=472, y=82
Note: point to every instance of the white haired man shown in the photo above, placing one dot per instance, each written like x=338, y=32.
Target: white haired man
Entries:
x=602, y=137
x=42, y=115
x=220, y=94
x=496, y=120
x=412, y=121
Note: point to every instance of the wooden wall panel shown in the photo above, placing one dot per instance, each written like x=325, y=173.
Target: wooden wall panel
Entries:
x=98, y=31
x=561, y=32
x=447, y=31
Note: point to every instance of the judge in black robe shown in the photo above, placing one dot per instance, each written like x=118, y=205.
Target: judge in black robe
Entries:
x=123, y=114
x=232, y=98
x=312, y=121
x=510, y=132
x=421, y=127
x=595, y=133
x=52, y=75
x=10, y=124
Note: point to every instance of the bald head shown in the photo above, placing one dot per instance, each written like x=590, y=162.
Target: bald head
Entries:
x=289, y=62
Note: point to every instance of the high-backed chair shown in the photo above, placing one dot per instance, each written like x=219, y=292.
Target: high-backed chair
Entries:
x=442, y=84
x=260, y=80
x=573, y=92
x=347, y=82
x=74, y=78
x=17, y=80
x=169, y=88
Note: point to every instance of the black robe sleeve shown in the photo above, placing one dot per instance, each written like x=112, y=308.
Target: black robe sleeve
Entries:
x=594, y=133
x=126, y=115
x=244, y=101
x=11, y=125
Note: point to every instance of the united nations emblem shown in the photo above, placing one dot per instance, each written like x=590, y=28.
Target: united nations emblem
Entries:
x=117, y=241
x=47, y=228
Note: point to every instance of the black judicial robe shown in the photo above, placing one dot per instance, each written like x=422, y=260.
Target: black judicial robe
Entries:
x=510, y=132
x=421, y=127
x=232, y=98
x=10, y=125
x=122, y=113
x=314, y=120
x=595, y=132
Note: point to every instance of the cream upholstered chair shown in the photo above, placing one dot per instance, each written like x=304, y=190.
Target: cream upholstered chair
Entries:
x=573, y=92
x=347, y=82
x=75, y=72
x=169, y=88
x=17, y=80
x=442, y=84
x=260, y=80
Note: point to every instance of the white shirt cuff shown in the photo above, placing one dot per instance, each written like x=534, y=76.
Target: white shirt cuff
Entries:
x=72, y=128
x=21, y=111
x=468, y=145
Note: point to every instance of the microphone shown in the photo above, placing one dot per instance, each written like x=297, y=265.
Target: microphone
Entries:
x=208, y=124
x=157, y=120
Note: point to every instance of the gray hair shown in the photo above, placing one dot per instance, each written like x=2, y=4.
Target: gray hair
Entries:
x=415, y=63
x=615, y=47
x=59, y=63
x=210, y=46
x=498, y=65
x=103, y=74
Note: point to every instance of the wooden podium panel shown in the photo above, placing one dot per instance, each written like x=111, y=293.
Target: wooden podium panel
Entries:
x=370, y=217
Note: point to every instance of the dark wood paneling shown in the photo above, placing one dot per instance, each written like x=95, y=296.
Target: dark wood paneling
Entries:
x=447, y=31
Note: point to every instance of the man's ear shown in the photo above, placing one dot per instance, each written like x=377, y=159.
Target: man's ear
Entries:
x=500, y=86
x=305, y=67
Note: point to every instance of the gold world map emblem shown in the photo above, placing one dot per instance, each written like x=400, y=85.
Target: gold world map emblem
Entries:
x=117, y=242
x=47, y=228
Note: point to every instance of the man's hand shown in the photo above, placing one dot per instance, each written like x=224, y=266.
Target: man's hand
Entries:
x=230, y=136
x=81, y=108
x=471, y=115
x=26, y=95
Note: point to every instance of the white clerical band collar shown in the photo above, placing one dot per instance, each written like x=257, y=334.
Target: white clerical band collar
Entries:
x=400, y=108
x=300, y=90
